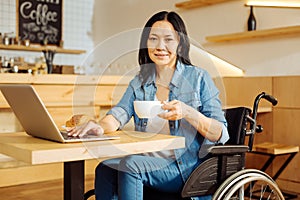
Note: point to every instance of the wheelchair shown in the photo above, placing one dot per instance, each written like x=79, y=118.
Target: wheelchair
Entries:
x=223, y=175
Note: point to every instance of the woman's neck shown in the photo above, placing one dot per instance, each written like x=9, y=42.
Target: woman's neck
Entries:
x=164, y=74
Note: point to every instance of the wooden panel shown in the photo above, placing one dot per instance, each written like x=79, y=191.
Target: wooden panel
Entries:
x=29, y=174
x=289, y=186
x=109, y=95
x=58, y=90
x=36, y=191
x=292, y=30
x=61, y=93
x=82, y=95
x=61, y=114
x=286, y=131
x=286, y=125
x=241, y=91
x=265, y=120
x=8, y=121
x=287, y=91
x=256, y=161
x=104, y=110
x=3, y=103
x=58, y=79
x=23, y=174
x=11, y=78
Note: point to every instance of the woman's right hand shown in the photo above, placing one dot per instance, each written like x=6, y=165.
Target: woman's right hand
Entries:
x=91, y=127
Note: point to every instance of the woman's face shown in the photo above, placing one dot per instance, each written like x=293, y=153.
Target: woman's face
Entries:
x=162, y=44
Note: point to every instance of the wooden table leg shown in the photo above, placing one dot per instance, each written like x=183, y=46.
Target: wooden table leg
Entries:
x=74, y=180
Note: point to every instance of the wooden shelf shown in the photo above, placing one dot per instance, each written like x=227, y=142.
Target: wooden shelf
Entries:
x=198, y=3
x=260, y=109
x=255, y=34
x=37, y=48
x=274, y=148
x=63, y=79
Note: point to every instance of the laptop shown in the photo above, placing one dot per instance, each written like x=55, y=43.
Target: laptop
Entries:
x=34, y=117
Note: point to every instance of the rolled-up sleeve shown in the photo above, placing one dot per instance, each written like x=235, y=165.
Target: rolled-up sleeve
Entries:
x=225, y=136
x=212, y=105
x=120, y=114
x=123, y=111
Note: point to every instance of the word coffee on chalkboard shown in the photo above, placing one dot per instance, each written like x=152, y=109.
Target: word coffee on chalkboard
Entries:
x=40, y=21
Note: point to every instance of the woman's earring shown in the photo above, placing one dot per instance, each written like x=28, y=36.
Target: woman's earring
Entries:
x=179, y=51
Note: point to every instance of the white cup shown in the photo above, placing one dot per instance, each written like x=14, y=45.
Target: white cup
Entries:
x=147, y=109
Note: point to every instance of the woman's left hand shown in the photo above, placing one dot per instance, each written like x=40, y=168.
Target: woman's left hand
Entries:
x=176, y=110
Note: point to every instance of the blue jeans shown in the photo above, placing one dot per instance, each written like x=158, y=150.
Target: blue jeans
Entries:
x=125, y=177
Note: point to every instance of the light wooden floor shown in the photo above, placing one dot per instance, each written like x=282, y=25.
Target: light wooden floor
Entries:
x=52, y=190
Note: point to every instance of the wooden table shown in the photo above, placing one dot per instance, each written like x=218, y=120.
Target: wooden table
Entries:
x=38, y=151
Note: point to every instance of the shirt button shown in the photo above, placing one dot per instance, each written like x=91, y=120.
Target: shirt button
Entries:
x=180, y=162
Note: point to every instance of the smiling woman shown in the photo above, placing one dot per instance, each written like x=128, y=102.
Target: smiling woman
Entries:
x=162, y=49
x=162, y=44
x=191, y=108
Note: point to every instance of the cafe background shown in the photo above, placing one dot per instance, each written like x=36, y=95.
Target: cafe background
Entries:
x=266, y=62
x=88, y=23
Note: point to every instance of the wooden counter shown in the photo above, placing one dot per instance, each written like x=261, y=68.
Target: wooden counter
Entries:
x=65, y=95
x=65, y=79
x=38, y=151
x=43, y=156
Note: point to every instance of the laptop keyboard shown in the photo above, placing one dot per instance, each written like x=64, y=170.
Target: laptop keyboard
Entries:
x=67, y=137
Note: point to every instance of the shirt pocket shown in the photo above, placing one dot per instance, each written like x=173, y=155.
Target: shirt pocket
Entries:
x=144, y=95
x=139, y=95
x=191, y=98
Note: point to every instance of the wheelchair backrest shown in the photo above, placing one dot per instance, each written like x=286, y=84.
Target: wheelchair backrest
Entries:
x=237, y=124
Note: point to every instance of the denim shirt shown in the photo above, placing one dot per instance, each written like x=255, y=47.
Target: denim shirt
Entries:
x=194, y=87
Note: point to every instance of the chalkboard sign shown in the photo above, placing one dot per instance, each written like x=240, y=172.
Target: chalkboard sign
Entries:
x=40, y=21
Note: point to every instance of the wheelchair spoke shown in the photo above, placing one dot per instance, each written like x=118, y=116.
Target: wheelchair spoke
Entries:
x=249, y=185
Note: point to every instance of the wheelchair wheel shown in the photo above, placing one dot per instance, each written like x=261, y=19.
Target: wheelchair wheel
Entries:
x=247, y=185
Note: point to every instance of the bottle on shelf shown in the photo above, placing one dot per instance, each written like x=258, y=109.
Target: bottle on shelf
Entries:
x=251, y=20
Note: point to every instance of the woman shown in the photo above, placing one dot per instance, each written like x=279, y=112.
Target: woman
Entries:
x=192, y=106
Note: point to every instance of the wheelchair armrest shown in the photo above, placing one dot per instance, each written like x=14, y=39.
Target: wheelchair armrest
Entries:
x=222, y=162
x=228, y=149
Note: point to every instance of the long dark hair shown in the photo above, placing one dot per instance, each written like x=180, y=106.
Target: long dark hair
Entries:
x=146, y=64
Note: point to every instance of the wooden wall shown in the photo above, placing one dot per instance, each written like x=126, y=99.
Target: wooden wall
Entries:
x=241, y=91
x=280, y=125
x=286, y=119
x=65, y=95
